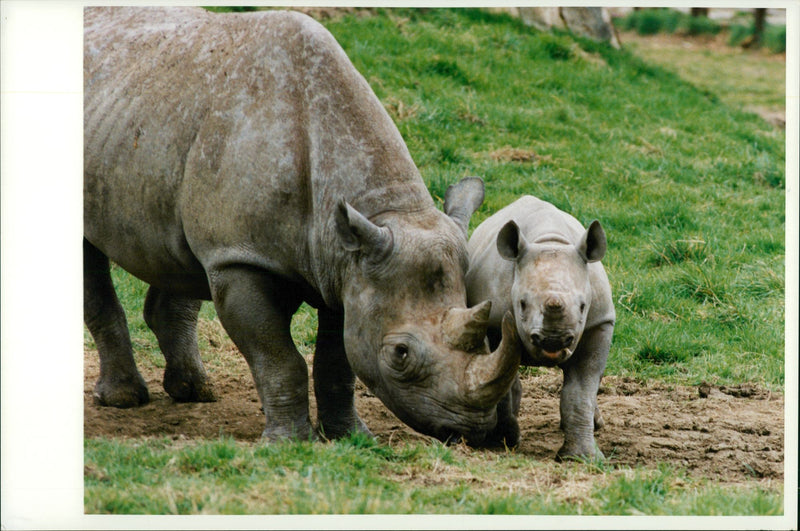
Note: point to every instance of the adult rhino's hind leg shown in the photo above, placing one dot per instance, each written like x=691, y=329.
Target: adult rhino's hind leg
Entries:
x=173, y=320
x=334, y=380
x=256, y=309
x=120, y=384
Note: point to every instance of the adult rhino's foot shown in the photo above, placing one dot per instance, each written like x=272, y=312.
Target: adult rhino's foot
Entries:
x=336, y=429
x=188, y=388
x=505, y=434
x=577, y=451
x=300, y=432
x=121, y=393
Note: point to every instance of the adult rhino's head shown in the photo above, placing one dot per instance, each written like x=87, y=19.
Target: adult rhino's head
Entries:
x=408, y=333
x=551, y=292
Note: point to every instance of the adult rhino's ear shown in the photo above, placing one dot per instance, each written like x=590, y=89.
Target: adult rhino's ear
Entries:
x=510, y=242
x=359, y=233
x=592, y=246
x=462, y=199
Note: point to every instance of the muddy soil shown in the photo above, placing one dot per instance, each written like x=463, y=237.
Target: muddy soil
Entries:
x=728, y=434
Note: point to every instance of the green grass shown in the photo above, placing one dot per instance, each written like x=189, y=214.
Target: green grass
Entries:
x=359, y=476
x=689, y=187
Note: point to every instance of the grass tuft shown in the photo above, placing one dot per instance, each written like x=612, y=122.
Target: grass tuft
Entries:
x=703, y=284
x=679, y=251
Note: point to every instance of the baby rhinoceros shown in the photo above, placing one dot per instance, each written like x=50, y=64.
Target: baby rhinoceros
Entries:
x=540, y=263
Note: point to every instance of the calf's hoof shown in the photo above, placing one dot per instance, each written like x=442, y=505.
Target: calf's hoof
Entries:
x=121, y=394
x=188, y=389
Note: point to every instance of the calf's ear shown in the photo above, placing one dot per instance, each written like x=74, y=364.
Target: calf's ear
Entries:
x=462, y=199
x=510, y=242
x=358, y=233
x=592, y=246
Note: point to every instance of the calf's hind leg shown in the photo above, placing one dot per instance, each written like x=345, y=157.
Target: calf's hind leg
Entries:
x=173, y=320
x=120, y=384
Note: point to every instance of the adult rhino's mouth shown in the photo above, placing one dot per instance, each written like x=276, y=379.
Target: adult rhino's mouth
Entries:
x=459, y=398
x=450, y=423
x=472, y=438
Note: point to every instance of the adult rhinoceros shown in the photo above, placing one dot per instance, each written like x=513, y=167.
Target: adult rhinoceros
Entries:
x=243, y=159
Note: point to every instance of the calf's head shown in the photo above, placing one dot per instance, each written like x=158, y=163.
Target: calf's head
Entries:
x=551, y=292
x=408, y=333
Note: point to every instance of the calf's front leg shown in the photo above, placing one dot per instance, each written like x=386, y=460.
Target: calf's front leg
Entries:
x=582, y=375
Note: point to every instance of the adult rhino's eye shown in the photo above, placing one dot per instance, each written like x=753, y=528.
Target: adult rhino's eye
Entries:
x=401, y=353
x=403, y=358
x=522, y=306
x=400, y=357
x=583, y=307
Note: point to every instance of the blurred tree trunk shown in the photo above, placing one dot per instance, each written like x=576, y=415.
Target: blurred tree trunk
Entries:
x=758, y=26
x=591, y=22
x=699, y=11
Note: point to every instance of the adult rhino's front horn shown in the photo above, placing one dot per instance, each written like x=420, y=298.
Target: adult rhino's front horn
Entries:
x=488, y=377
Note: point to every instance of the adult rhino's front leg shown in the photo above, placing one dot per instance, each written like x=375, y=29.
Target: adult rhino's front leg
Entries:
x=173, y=320
x=582, y=375
x=334, y=380
x=256, y=309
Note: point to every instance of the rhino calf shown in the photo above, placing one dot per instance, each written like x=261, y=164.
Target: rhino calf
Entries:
x=538, y=262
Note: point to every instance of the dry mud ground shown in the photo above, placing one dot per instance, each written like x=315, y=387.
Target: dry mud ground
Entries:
x=726, y=434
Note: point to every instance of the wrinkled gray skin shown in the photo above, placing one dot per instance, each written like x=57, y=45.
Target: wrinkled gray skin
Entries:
x=241, y=158
x=538, y=262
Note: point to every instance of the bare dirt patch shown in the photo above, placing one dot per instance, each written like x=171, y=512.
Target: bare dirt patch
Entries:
x=731, y=434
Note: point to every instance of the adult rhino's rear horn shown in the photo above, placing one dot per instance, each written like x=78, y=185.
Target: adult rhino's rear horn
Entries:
x=465, y=328
x=488, y=377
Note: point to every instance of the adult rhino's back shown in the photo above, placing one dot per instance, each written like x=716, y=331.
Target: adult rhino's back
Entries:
x=212, y=139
